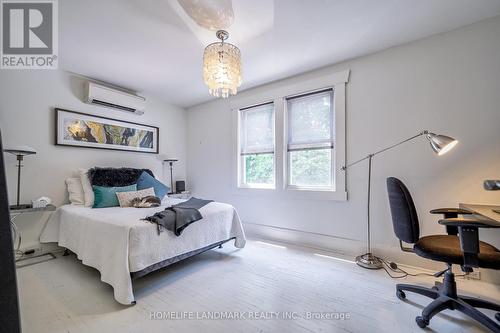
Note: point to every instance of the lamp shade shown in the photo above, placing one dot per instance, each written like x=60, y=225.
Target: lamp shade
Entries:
x=222, y=67
x=21, y=150
x=441, y=144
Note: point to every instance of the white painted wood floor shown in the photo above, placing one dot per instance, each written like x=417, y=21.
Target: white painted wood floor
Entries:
x=63, y=295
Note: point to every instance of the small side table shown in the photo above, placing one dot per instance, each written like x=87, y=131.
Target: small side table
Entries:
x=16, y=212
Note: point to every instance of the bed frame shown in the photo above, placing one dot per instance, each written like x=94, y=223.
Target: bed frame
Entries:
x=169, y=261
x=173, y=260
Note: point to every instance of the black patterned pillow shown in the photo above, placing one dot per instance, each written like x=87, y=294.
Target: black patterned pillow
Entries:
x=115, y=177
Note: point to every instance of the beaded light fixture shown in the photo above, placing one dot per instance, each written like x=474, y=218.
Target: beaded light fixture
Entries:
x=222, y=67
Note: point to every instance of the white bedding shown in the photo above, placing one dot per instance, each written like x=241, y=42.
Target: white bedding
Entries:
x=116, y=241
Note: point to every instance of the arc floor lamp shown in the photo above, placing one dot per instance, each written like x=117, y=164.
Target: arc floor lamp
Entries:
x=440, y=144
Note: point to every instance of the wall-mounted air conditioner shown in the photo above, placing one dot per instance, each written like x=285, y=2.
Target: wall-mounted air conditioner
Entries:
x=105, y=96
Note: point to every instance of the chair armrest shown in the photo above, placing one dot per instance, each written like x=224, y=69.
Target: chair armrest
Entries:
x=452, y=211
x=449, y=213
x=468, y=234
x=458, y=222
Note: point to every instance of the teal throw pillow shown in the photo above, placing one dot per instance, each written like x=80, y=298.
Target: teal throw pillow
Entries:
x=106, y=196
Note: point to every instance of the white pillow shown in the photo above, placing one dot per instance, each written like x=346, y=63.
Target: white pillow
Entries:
x=75, y=190
x=124, y=198
x=88, y=192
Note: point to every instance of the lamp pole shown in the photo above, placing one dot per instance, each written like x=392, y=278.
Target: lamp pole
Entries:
x=439, y=143
x=171, y=163
x=369, y=156
x=171, y=177
x=19, y=166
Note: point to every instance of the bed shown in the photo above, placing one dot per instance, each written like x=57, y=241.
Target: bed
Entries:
x=122, y=247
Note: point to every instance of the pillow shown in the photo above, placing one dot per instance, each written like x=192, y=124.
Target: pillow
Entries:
x=146, y=181
x=115, y=176
x=75, y=190
x=124, y=198
x=106, y=196
x=88, y=192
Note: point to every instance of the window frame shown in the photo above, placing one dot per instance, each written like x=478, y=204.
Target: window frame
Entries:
x=327, y=144
x=241, y=156
x=276, y=92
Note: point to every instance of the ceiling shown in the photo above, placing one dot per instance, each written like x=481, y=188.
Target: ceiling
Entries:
x=155, y=48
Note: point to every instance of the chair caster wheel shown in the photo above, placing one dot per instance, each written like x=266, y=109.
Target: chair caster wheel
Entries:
x=497, y=316
x=421, y=322
x=401, y=294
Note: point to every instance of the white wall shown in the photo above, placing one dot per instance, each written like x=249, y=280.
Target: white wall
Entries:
x=27, y=117
x=448, y=83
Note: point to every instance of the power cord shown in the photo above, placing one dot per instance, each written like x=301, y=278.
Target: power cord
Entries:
x=393, y=267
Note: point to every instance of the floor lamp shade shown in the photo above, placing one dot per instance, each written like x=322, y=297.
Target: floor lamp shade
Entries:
x=20, y=150
x=441, y=144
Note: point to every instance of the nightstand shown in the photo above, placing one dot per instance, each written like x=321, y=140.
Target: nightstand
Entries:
x=20, y=255
x=183, y=195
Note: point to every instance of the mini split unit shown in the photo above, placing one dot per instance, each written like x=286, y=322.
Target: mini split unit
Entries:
x=112, y=98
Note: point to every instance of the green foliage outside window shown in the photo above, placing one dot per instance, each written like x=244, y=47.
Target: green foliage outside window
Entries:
x=259, y=169
x=307, y=168
x=311, y=167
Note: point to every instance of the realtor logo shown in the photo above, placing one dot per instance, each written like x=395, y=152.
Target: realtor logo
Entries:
x=29, y=34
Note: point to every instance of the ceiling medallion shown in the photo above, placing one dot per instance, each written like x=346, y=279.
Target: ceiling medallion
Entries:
x=222, y=67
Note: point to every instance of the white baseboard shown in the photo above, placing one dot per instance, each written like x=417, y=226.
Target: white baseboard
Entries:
x=343, y=246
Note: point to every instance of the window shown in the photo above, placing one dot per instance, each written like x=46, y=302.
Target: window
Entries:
x=289, y=140
x=310, y=132
x=256, y=142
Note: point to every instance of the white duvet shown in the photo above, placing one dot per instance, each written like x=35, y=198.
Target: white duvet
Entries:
x=116, y=241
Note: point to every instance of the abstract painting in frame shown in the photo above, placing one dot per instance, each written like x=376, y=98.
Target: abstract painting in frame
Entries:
x=85, y=130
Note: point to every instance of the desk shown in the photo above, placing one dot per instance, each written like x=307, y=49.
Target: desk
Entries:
x=485, y=211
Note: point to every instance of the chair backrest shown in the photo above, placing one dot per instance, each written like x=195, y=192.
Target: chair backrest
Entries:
x=404, y=214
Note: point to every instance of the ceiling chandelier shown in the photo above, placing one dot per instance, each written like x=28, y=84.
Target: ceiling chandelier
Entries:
x=222, y=67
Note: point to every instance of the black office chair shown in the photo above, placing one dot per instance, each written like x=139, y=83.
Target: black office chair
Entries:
x=463, y=249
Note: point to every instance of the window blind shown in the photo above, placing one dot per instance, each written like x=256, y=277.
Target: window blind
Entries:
x=257, y=129
x=310, y=121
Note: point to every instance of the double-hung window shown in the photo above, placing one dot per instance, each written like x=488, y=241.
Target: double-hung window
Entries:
x=310, y=140
x=256, y=146
x=294, y=145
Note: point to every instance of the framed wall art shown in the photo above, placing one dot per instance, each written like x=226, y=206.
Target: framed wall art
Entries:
x=78, y=129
